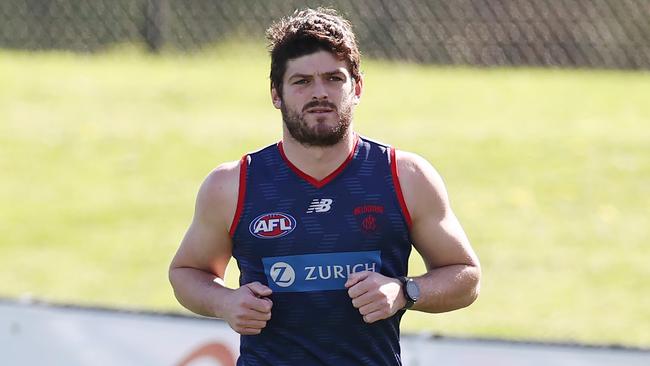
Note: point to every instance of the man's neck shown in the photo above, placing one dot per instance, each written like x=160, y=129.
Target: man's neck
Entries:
x=318, y=161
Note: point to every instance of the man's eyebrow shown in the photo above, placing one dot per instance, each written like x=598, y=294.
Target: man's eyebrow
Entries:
x=335, y=72
x=299, y=76
x=327, y=73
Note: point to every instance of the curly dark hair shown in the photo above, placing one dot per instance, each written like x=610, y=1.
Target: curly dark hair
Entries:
x=308, y=31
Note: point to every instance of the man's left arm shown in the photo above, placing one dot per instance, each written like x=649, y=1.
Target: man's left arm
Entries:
x=452, y=280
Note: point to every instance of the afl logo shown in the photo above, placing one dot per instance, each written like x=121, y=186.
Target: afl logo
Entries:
x=272, y=225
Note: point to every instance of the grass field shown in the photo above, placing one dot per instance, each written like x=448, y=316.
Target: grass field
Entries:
x=549, y=171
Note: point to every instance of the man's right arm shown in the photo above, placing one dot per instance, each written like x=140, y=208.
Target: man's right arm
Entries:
x=198, y=268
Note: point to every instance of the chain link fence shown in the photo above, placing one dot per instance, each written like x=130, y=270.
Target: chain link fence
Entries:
x=565, y=33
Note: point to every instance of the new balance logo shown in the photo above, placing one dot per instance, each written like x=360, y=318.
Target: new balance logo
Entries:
x=320, y=205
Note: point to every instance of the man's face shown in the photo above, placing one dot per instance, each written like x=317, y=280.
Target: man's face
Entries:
x=318, y=96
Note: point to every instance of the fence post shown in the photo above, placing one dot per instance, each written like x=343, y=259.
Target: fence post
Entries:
x=154, y=29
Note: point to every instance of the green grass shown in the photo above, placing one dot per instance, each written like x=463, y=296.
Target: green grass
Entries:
x=549, y=171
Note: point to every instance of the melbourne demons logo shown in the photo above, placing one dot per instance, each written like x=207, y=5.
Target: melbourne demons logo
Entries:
x=368, y=216
x=272, y=225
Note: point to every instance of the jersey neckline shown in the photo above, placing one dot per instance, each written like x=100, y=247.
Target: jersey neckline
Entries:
x=313, y=181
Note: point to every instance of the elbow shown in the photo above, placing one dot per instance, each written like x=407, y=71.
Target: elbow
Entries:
x=175, y=277
x=470, y=288
x=171, y=273
x=471, y=297
x=174, y=274
x=473, y=285
x=172, y=277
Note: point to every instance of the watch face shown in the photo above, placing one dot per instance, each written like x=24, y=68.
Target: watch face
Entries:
x=412, y=290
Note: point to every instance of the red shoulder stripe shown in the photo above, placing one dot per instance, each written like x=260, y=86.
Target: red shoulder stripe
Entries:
x=243, y=167
x=398, y=188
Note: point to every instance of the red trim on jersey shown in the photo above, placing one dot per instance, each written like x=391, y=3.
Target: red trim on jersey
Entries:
x=398, y=188
x=313, y=181
x=243, y=166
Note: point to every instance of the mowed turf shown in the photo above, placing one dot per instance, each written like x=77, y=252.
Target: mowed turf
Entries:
x=548, y=170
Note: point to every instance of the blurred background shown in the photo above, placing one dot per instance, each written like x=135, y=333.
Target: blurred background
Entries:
x=536, y=113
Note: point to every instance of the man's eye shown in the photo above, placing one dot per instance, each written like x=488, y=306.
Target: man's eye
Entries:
x=300, y=82
x=336, y=78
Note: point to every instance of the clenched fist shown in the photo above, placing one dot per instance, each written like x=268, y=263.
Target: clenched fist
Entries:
x=247, y=309
x=375, y=295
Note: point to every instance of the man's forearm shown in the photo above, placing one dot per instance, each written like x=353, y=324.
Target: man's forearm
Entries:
x=199, y=291
x=448, y=288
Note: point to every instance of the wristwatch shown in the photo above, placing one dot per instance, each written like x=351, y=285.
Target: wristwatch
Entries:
x=411, y=291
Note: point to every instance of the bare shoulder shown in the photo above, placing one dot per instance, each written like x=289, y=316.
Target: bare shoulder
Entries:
x=206, y=244
x=437, y=234
x=422, y=185
x=217, y=197
x=222, y=180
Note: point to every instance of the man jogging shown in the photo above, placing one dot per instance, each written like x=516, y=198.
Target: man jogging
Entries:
x=322, y=223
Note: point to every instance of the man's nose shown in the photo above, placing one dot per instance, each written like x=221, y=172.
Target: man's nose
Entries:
x=319, y=91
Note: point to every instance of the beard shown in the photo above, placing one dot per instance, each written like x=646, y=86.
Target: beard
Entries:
x=320, y=134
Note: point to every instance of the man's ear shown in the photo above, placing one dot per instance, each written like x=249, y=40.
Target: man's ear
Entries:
x=275, y=97
x=358, y=89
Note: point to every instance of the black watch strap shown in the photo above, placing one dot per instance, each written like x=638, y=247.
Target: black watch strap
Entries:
x=410, y=301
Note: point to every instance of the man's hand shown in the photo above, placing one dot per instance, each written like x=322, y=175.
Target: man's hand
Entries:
x=247, y=309
x=375, y=295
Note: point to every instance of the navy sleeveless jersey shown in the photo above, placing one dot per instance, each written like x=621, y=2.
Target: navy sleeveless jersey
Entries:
x=302, y=238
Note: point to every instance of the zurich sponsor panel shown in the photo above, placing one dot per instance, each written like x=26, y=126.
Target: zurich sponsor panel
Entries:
x=317, y=272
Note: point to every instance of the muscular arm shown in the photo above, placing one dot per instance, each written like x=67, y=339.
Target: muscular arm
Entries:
x=197, y=270
x=452, y=280
x=453, y=272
